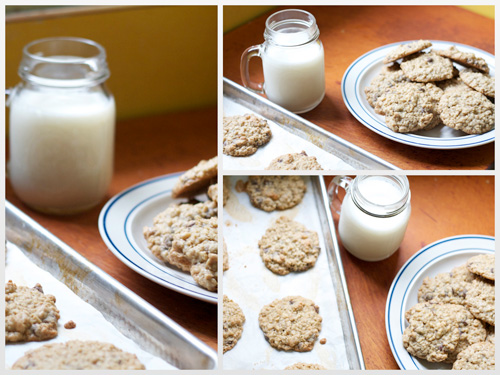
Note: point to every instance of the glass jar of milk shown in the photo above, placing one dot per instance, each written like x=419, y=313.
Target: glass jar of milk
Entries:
x=293, y=61
x=62, y=124
x=374, y=214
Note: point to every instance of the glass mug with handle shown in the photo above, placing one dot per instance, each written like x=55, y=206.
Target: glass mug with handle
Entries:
x=292, y=60
x=374, y=214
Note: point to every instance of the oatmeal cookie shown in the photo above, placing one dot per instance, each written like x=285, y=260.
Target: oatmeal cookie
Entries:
x=226, y=188
x=30, y=315
x=297, y=161
x=195, y=179
x=388, y=77
x=467, y=110
x=225, y=257
x=480, y=300
x=452, y=84
x=404, y=50
x=291, y=323
x=78, y=355
x=233, y=319
x=305, y=366
x=288, y=246
x=427, y=67
x=479, y=81
x=464, y=58
x=482, y=265
x=212, y=192
x=490, y=333
x=271, y=193
x=409, y=106
x=244, y=134
x=446, y=287
x=480, y=356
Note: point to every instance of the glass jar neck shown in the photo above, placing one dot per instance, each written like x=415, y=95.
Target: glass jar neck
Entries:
x=381, y=196
x=291, y=28
x=64, y=63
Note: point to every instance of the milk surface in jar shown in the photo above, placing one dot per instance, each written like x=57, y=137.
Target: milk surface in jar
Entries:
x=62, y=124
x=374, y=216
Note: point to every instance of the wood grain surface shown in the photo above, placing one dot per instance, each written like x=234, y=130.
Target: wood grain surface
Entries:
x=145, y=148
x=442, y=206
x=347, y=32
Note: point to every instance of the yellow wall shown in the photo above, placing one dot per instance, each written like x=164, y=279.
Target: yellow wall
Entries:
x=485, y=10
x=162, y=59
x=235, y=16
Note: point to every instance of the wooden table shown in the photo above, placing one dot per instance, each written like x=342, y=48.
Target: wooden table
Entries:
x=347, y=32
x=442, y=206
x=145, y=148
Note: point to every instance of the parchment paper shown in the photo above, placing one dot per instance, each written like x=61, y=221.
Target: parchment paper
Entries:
x=250, y=284
x=282, y=142
x=90, y=323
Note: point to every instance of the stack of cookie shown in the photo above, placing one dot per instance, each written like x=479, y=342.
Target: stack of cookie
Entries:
x=454, y=320
x=185, y=234
x=426, y=90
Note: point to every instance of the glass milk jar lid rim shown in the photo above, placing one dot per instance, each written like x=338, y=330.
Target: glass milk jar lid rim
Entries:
x=302, y=22
x=94, y=62
x=382, y=210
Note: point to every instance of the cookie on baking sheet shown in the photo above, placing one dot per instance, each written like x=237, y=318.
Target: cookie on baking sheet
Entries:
x=479, y=81
x=409, y=106
x=432, y=333
x=427, y=67
x=305, y=366
x=30, y=315
x=482, y=265
x=195, y=179
x=291, y=323
x=388, y=77
x=480, y=356
x=233, y=320
x=467, y=110
x=288, y=246
x=446, y=287
x=404, y=50
x=480, y=300
x=270, y=193
x=78, y=355
x=244, y=134
x=297, y=161
x=464, y=58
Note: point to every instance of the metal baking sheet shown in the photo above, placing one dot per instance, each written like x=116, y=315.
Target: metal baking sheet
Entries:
x=347, y=153
x=131, y=315
x=251, y=285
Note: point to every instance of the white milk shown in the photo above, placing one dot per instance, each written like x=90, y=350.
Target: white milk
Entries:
x=294, y=77
x=369, y=237
x=61, y=147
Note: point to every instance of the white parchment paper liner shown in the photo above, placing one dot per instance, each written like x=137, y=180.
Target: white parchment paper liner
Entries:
x=250, y=284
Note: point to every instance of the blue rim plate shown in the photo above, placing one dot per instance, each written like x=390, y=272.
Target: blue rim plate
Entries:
x=366, y=67
x=121, y=222
x=440, y=256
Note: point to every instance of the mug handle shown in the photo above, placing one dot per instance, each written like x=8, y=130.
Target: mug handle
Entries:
x=333, y=191
x=253, y=51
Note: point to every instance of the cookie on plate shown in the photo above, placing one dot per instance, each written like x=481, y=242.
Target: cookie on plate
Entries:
x=30, y=315
x=480, y=300
x=388, y=77
x=404, y=50
x=296, y=161
x=270, y=193
x=480, y=356
x=482, y=265
x=233, y=319
x=288, y=246
x=467, y=110
x=464, y=58
x=452, y=84
x=244, y=134
x=479, y=81
x=427, y=67
x=305, y=366
x=78, y=355
x=195, y=179
x=291, y=323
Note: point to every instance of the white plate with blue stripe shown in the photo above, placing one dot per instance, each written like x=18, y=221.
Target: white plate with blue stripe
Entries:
x=440, y=256
x=365, y=68
x=121, y=222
